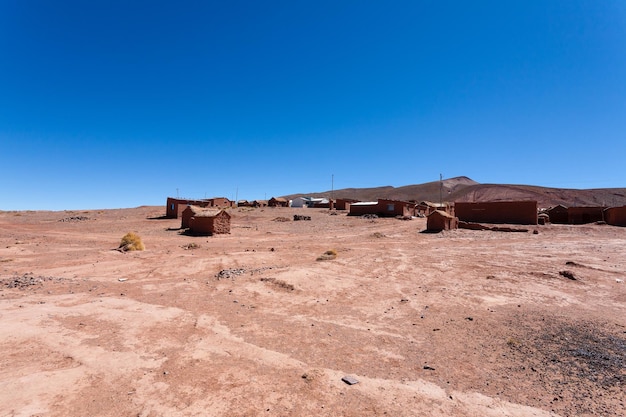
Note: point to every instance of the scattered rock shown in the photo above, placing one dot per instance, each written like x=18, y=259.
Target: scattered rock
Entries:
x=74, y=219
x=350, y=380
x=568, y=275
x=229, y=273
x=297, y=217
x=281, y=219
x=429, y=368
x=26, y=280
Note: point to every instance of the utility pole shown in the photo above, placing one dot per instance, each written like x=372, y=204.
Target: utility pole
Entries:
x=440, y=190
x=332, y=190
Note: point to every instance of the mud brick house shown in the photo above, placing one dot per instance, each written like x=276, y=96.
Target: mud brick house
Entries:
x=558, y=214
x=439, y=220
x=210, y=222
x=259, y=203
x=382, y=208
x=188, y=213
x=344, y=203
x=219, y=202
x=278, y=202
x=244, y=203
x=175, y=206
x=509, y=212
x=615, y=216
x=583, y=215
x=424, y=208
x=363, y=207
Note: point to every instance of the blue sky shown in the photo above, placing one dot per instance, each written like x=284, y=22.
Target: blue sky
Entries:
x=109, y=104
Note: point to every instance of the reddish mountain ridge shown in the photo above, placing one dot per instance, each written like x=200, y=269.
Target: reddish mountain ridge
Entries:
x=467, y=190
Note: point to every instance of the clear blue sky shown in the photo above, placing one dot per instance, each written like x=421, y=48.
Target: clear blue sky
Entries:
x=122, y=103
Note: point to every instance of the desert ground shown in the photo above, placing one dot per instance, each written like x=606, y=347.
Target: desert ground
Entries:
x=458, y=323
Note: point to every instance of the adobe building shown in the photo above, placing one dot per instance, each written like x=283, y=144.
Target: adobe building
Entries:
x=382, y=207
x=584, y=215
x=363, y=207
x=558, y=214
x=210, y=222
x=259, y=203
x=509, y=212
x=278, y=202
x=222, y=202
x=615, y=216
x=175, y=206
x=439, y=220
x=344, y=203
x=392, y=208
x=424, y=208
x=187, y=214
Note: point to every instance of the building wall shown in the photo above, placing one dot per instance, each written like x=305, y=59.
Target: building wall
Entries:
x=360, y=210
x=437, y=222
x=343, y=203
x=558, y=215
x=277, y=203
x=394, y=208
x=175, y=206
x=583, y=215
x=219, y=202
x=210, y=225
x=615, y=216
x=514, y=212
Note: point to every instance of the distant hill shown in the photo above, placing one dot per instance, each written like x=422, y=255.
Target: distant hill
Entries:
x=467, y=190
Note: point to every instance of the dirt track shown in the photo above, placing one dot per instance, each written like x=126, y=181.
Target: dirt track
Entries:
x=464, y=323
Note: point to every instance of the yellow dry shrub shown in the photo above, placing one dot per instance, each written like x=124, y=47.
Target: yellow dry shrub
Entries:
x=131, y=241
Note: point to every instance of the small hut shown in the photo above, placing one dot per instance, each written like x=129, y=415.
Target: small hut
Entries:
x=278, y=202
x=188, y=213
x=440, y=220
x=615, y=216
x=210, y=222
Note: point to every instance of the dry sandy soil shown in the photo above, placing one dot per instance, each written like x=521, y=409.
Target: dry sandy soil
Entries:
x=461, y=323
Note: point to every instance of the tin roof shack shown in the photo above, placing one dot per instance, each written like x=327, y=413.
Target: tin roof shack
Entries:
x=440, y=220
x=278, y=202
x=363, y=207
x=583, y=215
x=300, y=202
x=175, y=206
x=321, y=202
x=210, y=222
x=558, y=214
x=510, y=212
x=344, y=203
x=188, y=213
x=382, y=208
x=615, y=216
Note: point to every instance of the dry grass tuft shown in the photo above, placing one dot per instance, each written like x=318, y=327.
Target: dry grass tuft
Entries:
x=328, y=255
x=130, y=242
x=189, y=246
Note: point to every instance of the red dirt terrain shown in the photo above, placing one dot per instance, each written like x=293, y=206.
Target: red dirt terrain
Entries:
x=460, y=323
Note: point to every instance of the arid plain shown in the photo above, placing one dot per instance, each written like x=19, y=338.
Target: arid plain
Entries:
x=459, y=323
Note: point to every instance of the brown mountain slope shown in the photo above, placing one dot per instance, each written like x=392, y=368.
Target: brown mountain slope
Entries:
x=429, y=191
x=468, y=190
x=545, y=197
